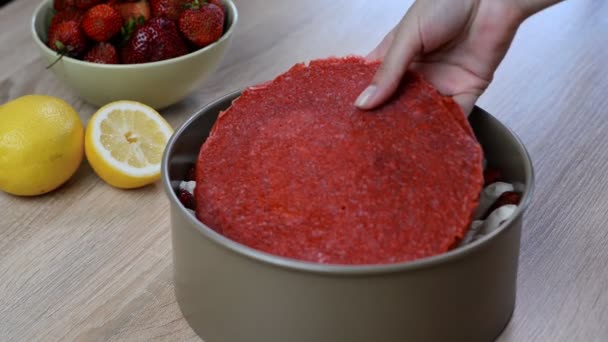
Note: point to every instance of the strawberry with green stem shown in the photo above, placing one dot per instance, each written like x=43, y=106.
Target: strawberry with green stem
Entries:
x=202, y=23
x=129, y=27
x=67, y=39
x=158, y=39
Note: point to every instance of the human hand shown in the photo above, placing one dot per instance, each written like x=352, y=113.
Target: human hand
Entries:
x=456, y=45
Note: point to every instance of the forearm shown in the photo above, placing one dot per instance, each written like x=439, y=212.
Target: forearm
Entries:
x=531, y=7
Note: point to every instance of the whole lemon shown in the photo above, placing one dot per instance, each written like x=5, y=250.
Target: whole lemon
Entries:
x=41, y=144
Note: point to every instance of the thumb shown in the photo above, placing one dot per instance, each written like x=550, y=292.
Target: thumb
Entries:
x=406, y=44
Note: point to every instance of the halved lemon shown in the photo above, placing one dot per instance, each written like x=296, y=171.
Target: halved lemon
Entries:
x=124, y=143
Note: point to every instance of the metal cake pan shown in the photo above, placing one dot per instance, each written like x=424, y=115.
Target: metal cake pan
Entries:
x=229, y=292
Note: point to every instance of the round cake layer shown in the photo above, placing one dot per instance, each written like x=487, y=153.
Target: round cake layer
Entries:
x=292, y=168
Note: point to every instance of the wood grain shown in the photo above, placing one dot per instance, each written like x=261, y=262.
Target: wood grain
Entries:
x=92, y=263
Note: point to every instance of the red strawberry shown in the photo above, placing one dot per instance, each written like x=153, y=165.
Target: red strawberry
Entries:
x=86, y=4
x=491, y=176
x=133, y=10
x=60, y=5
x=101, y=22
x=129, y=27
x=156, y=40
x=202, y=24
x=167, y=8
x=66, y=15
x=103, y=53
x=138, y=47
x=508, y=197
x=67, y=39
x=186, y=199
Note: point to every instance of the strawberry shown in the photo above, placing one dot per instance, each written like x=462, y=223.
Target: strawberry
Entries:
x=86, y=4
x=67, y=14
x=67, y=39
x=167, y=8
x=139, y=45
x=133, y=10
x=508, y=197
x=491, y=176
x=156, y=40
x=60, y=5
x=101, y=22
x=202, y=24
x=129, y=27
x=186, y=199
x=103, y=53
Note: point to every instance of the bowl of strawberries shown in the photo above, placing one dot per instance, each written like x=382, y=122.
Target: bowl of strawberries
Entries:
x=152, y=51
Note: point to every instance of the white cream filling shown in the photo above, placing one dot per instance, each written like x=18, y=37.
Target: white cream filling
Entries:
x=188, y=186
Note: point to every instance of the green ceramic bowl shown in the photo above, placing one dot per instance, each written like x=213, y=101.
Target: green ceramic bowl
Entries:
x=157, y=84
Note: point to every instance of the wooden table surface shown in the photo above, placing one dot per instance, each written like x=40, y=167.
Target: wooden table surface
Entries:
x=93, y=263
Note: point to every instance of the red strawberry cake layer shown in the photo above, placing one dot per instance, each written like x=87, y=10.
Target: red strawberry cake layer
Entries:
x=292, y=168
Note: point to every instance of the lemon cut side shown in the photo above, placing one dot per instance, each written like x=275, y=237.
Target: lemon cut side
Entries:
x=124, y=143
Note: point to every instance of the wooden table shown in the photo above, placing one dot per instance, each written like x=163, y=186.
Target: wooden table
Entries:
x=93, y=263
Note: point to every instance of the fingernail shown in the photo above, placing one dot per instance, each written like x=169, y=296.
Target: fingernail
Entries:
x=366, y=96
